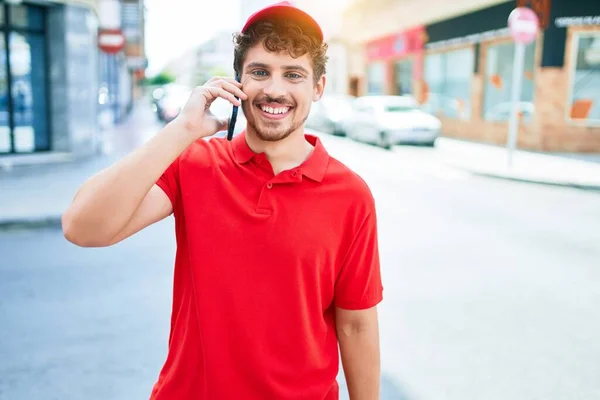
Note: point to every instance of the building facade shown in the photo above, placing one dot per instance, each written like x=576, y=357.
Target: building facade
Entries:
x=460, y=67
x=51, y=78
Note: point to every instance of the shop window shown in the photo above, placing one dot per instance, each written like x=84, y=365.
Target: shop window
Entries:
x=28, y=72
x=584, y=100
x=24, y=16
x=498, y=83
x=404, y=77
x=376, y=78
x=448, y=78
x=23, y=102
x=5, y=137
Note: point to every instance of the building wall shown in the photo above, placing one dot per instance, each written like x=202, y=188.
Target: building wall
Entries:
x=553, y=86
x=550, y=128
x=80, y=64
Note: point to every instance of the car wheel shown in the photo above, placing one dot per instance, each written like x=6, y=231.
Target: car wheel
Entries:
x=384, y=141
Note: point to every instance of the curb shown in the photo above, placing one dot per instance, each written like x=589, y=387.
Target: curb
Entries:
x=571, y=185
x=37, y=222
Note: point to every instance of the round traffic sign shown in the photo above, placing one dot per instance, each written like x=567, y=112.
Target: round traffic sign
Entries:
x=524, y=24
x=111, y=40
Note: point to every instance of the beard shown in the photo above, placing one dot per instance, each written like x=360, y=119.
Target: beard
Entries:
x=272, y=131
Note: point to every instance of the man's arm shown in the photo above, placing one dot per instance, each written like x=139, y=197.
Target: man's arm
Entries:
x=123, y=198
x=358, y=336
x=106, y=202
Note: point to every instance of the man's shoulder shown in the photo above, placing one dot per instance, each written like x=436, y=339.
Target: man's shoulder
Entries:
x=351, y=183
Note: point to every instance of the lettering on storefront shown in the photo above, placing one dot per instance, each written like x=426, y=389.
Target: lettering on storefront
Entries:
x=471, y=39
x=540, y=7
x=563, y=22
x=397, y=45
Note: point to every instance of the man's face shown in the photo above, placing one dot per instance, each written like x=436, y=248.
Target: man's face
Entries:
x=280, y=91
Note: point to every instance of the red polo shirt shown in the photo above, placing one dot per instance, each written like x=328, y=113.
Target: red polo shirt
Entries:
x=262, y=261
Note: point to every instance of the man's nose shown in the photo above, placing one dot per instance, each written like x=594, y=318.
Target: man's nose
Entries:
x=275, y=88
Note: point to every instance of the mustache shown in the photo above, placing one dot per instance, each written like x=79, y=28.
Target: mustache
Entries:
x=279, y=100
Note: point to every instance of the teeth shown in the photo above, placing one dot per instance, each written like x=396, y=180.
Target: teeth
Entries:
x=271, y=110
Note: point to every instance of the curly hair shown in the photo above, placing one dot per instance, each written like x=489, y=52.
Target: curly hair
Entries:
x=279, y=36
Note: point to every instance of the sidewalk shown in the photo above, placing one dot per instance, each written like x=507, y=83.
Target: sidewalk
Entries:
x=37, y=195
x=491, y=161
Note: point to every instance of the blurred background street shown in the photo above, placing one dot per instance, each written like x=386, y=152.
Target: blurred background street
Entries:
x=491, y=271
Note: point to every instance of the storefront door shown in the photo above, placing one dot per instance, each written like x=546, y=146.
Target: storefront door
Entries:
x=23, y=105
x=403, y=72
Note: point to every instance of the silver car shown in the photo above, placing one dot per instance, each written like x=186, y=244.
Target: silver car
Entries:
x=330, y=114
x=390, y=120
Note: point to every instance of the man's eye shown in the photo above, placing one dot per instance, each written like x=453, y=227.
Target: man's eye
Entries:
x=294, y=76
x=259, y=73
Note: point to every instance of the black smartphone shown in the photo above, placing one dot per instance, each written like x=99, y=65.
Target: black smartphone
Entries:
x=233, y=118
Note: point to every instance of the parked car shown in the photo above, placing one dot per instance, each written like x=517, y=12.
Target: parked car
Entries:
x=330, y=114
x=390, y=120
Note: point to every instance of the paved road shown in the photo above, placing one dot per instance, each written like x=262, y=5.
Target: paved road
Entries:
x=491, y=292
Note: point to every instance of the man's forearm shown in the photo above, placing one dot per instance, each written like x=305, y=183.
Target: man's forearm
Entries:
x=359, y=347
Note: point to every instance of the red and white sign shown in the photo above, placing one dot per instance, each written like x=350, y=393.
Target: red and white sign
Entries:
x=524, y=25
x=111, y=41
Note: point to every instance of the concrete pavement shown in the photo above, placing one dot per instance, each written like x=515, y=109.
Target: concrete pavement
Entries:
x=492, y=161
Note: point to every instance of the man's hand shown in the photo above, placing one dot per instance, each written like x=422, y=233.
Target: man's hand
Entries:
x=196, y=116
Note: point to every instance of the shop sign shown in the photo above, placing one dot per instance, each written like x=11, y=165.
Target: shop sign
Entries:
x=563, y=22
x=396, y=45
x=471, y=39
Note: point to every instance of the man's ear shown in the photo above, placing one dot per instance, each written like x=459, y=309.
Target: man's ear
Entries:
x=319, y=88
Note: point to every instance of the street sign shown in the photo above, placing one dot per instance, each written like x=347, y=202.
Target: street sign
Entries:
x=523, y=24
x=111, y=41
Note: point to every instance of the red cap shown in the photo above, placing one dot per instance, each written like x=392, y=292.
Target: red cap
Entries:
x=285, y=10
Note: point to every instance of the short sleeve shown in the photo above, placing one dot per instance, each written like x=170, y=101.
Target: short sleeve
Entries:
x=169, y=182
x=359, y=283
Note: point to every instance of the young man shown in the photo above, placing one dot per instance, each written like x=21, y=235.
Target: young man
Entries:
x=277, y=258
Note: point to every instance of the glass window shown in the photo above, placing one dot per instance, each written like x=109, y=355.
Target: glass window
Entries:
x=27, y=67
x=29, y=17
x=448, y=76
x=5, y=139
x=376, y=78
x=584, y=102
x=404, y=77
x=498, y=83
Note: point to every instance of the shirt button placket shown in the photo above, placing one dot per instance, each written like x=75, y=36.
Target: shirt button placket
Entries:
x=264, y=203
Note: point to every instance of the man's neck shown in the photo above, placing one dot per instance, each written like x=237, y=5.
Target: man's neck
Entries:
x=284, y=154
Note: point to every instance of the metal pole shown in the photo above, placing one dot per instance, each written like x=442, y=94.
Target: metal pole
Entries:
x=513, y=125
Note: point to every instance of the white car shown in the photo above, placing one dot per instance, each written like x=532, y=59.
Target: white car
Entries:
x=330, y=113
x=390, y=120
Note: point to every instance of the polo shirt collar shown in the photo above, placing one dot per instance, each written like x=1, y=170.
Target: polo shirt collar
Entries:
x=314, y=167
